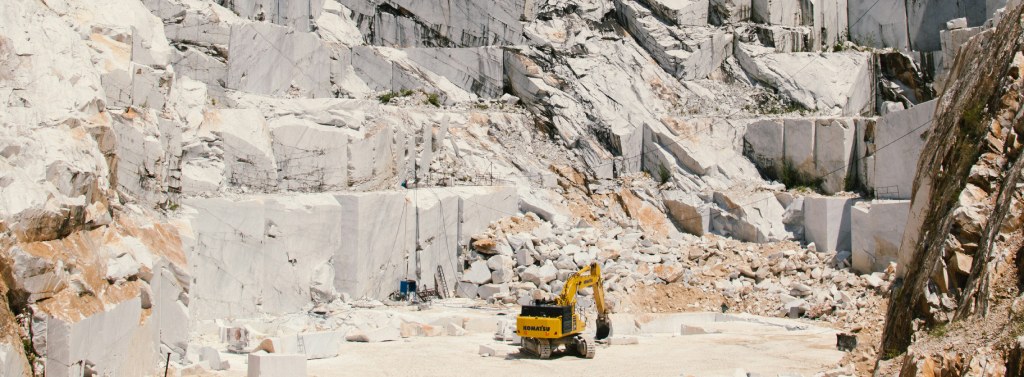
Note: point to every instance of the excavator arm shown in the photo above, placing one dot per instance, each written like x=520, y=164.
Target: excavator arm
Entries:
x=589, y=276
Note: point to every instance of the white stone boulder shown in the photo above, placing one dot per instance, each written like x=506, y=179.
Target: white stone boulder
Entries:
x=487, y=291
x=322, y=345
x=877, y=231
x=524, y=258
x=466, y=289
x=497, y=350
x=749, y=216
x=898, y=144
x=276, y=365
x=833, y=84
x=110, y=341
x=211, y=357
x=169, y=302
x=827, y=222
x=691, y=213
x=540, y=275
x=478, y=273
x=502, y=275
x=454, y=330
x=499, y=262
x=956, y=23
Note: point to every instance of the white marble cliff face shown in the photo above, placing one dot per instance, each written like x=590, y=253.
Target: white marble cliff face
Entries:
x=164, y=162
x=265, y=254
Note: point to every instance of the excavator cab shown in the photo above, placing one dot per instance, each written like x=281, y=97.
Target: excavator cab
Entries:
x=547, y=325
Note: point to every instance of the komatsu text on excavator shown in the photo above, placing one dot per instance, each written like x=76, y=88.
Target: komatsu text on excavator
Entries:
x=546, y=326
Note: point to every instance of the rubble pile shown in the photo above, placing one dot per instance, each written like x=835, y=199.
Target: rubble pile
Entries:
x=521, y=260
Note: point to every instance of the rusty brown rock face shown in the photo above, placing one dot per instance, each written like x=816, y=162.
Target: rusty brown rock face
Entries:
x=968, y=176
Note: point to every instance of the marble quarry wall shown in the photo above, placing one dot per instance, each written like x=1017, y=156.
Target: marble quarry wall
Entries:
x=276, y=254
x=878, y=155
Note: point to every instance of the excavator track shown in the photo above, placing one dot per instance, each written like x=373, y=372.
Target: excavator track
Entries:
x=538, y=347
x=586, y=347
x=544, y=349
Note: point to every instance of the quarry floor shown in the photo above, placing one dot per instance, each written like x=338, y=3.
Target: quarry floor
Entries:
x=758, y=348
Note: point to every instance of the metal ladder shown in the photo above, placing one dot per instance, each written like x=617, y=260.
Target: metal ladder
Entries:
x=442, y=285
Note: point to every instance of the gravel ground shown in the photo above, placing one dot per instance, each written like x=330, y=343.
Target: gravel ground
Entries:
x=758, y=348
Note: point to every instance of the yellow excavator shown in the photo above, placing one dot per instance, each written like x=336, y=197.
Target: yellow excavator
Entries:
x=546, y=326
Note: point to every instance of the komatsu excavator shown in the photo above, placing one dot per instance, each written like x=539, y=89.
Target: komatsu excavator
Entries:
x=546, y=326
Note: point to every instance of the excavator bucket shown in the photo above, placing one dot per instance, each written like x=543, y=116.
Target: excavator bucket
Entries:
x=604, y=327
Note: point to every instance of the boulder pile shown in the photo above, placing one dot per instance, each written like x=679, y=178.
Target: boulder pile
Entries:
x=522, y=259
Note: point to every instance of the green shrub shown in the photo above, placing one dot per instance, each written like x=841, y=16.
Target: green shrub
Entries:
x=663, y=174
x=433, y=99
x=794, y=179
x=386, y=97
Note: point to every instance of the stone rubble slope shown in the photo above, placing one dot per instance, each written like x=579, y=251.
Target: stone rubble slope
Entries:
x=523, y=260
